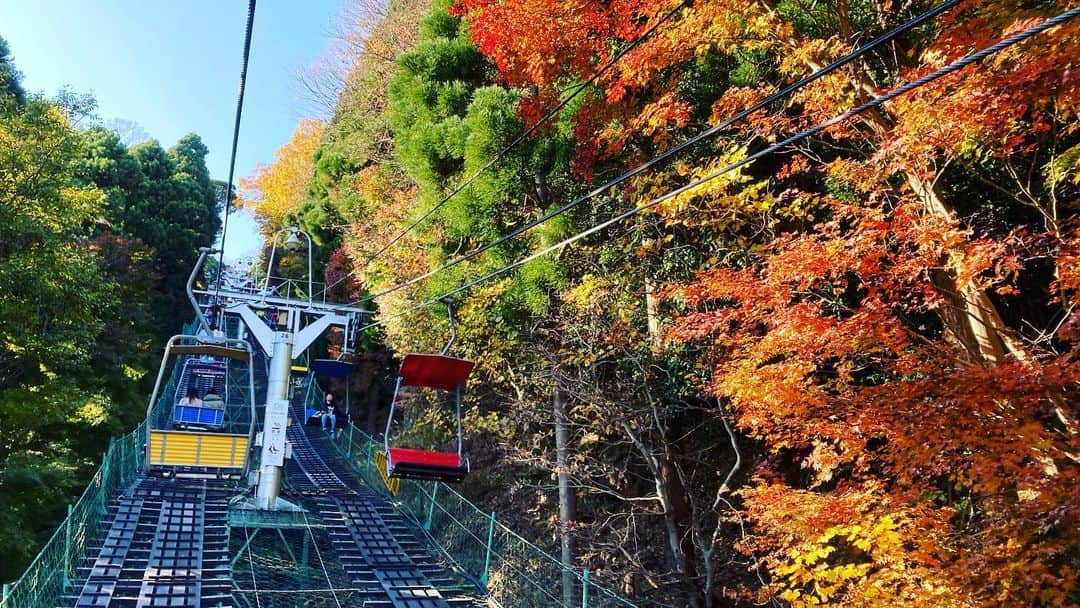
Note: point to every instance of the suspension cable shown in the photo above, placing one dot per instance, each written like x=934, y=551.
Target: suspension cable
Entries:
x=668, y=155
x=523, y=136
x=873, y=103
x=235, y=142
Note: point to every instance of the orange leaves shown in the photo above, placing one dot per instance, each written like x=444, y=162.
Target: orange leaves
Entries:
x=905, y=462
x=275, y=190
x=1068, y=265
x=994, y=108
x=820, y=346
x=658, y=117
x=538, y=41
x=550, y=44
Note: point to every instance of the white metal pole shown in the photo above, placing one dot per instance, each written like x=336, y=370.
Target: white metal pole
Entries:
x=275, y=422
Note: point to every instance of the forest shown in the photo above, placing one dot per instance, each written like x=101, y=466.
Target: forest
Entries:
x=97, y=241
x=842, y=374
x=743, y=348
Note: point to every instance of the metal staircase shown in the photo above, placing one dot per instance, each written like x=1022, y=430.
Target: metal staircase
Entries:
x=165, y=543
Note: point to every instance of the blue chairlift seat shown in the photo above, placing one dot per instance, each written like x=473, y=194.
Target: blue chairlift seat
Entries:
x=326, y=368
x=200, y=375
x=198, y=416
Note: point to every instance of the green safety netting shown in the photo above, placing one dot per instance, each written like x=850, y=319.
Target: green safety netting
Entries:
x=45, y=580
x=285, y=568
x=514, y=570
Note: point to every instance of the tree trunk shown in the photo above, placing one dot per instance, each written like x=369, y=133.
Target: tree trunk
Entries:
x=973, y=320
x=652, y=311
x=676, y=514
x=567, y=503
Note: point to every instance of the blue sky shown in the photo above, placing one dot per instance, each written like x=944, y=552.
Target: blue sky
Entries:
x=173, y=67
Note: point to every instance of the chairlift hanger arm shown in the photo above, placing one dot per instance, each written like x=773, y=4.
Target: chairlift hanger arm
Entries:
x=203, y=253
x=453, y=329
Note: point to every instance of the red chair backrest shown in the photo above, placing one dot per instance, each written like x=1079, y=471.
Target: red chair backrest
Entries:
x=434, y=371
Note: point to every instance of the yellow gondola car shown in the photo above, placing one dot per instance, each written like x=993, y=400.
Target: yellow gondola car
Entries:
x=208, y=430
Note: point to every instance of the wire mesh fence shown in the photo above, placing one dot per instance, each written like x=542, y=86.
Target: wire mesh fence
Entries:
x=513, y=570
x=289, y=568
x=51, y=573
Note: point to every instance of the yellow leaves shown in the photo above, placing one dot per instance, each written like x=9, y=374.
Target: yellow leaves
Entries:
x=729, y=201
x=583, y=297
x=93, y=412
x=280, y=188
x=867, y=557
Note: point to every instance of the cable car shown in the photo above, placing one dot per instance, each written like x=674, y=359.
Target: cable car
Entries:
x=206, y=437
x=441, y=373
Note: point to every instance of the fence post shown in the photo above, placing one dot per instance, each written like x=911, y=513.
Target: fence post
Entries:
x=106, y=471
x=348, y=452
x=585, y=588
x=122, y=459
x=431, y=508
x=487, y=554
x=67, y=544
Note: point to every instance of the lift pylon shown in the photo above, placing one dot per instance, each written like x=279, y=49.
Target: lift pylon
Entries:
x=284, y=325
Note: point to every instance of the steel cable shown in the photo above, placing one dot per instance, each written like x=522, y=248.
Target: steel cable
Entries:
x=873, y=103
x=662, y=158
x=235, y=142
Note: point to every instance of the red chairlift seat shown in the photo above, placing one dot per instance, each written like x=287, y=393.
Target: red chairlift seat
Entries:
x=426, y=465
x=437, y=372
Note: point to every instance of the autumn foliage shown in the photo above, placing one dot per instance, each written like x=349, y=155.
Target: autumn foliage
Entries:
x=844, y=375
x=918, y=434
x=280, y=188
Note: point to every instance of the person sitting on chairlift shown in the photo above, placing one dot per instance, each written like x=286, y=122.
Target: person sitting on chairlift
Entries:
x=329, y=414
x=212, y=399
x=192, y=398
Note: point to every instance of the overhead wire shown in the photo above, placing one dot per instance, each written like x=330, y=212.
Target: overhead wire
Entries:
x=876, y=102
x=552, y=113
x=669, y=154
x=235, y=142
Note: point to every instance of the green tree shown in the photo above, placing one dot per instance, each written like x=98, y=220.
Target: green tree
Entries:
x=89, y=233
x=52, y=294
x=9, y=76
